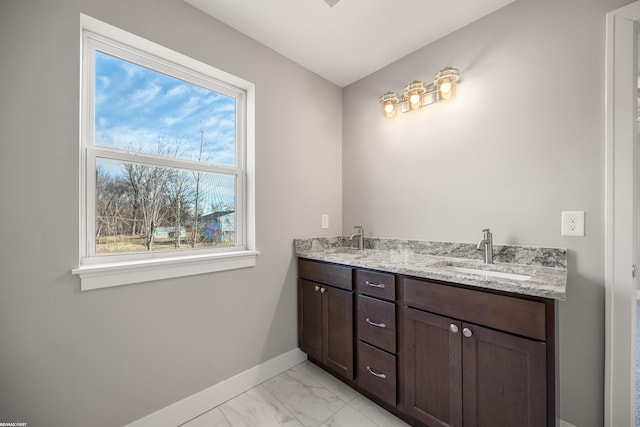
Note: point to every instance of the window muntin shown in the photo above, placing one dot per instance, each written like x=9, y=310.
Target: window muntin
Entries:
x=152, y=116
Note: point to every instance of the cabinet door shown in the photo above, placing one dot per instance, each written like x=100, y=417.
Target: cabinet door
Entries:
x=310, y=318
x=432, y=370
x=504, y=379
x=337, y=346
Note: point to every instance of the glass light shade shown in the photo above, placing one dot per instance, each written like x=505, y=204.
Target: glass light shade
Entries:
x=389, y=110
x=445, y=89
x=446, y=81
x=415, y=101
x=389, y=102
x=413, y=93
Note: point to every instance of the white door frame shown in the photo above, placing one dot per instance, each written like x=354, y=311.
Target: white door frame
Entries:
x=620, y=203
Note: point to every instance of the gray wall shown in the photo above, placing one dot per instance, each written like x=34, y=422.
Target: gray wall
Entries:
x=110, y=356
x=523, y=141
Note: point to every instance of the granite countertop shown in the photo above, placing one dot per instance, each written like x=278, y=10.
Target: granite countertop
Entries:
x=445, y=261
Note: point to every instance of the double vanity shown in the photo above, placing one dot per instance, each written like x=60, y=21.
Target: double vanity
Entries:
x=432, y=332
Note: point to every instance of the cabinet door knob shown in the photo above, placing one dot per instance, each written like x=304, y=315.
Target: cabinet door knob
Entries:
x=375, y=374
x=379, y=325
x=322, y=290
x=467, y=332
x=317, y=288
x=374, y=285
x=453, y=328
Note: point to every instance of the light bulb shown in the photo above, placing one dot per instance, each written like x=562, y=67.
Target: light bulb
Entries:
x=445, y=89
x=388, y=108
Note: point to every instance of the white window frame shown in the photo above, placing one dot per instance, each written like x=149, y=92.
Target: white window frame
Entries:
x=99, y=271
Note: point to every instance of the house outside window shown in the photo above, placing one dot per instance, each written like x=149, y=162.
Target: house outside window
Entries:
x=166, y=162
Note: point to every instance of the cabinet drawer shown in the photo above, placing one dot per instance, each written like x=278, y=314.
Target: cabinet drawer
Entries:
x=377, y=372
x=330, y=274
x=377, y=323
x=511, y=314
x=376, y=284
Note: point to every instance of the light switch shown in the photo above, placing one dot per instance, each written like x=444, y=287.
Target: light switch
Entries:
x=325, y=221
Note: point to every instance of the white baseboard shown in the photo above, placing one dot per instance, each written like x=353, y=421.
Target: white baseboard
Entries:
x=190, y=407
x=563, y=423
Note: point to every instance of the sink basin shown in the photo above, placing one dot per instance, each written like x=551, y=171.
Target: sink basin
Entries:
x=345, y=253
x=488, y=273
x=484, y=270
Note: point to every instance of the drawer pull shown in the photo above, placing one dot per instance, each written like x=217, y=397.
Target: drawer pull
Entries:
x=375, y=374
x=453, y=328
x=322, y=290
x=317, y=288
x=379, y=325
x=467, y=332
x=375, y=285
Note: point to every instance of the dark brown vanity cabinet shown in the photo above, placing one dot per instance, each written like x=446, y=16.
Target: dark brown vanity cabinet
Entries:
x=325, y=315
x=433, y=353
x=459, y=373
x=376, y=324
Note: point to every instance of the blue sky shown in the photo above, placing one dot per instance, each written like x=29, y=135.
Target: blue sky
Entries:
x=136, y=108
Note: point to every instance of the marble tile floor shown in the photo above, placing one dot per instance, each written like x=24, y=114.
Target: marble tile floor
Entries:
x=303, y=396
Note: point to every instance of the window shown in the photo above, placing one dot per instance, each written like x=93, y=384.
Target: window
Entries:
x=166, y=150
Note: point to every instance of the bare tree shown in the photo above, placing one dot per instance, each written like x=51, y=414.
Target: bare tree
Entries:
x=178, y=203
x=148, y=185
x=153, y=201
x=195, y=235
x=134, y=177
x=111, y=205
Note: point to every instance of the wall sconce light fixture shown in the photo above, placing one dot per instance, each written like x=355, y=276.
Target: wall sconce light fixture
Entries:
x=418, y=94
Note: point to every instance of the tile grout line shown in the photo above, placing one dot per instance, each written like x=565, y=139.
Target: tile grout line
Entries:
x=284, y=405
x=219, y=408
x=363, y=414
x=346, y=403
x=319, y=385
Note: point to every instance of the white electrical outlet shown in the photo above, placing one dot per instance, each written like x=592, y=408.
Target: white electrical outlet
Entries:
x=573, y=223
x=325, y=221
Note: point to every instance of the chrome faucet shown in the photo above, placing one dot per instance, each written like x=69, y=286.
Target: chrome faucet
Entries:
x=487, y=242
x=360, y=235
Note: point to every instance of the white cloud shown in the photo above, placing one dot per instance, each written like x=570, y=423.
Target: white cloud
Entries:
x=184, y=111
x=133, y=71
x=142, y=96
x=125, y=138
x=177, y=91
x=104, y=81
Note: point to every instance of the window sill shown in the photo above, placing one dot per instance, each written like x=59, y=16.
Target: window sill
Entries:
x=126, y=273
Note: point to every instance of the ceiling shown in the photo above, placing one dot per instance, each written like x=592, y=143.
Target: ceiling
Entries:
x=352, y=39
